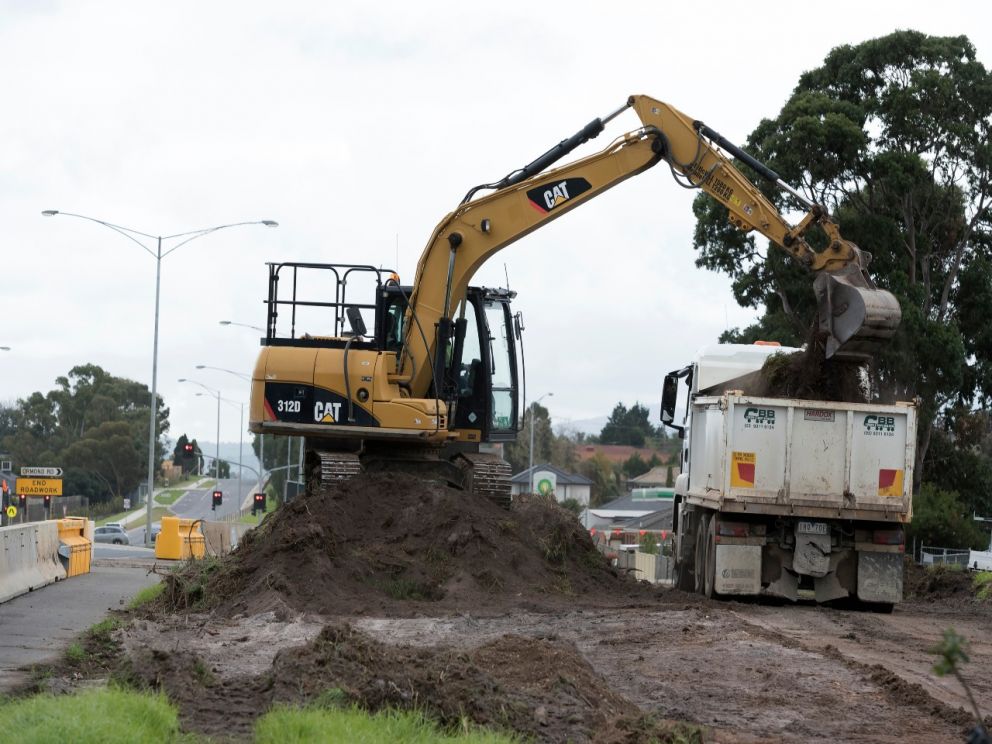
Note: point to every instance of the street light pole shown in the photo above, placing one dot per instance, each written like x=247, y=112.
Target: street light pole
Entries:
x=243, y=325
x=531, y=453
x=261, y=440
x=215, y=393
x=158, y=255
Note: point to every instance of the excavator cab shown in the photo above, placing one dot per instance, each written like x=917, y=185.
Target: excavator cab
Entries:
x=480, y=381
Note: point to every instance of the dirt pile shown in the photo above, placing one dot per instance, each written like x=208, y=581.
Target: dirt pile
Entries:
x=540, y=688
x=394, y=543
x=938, y=583
x=809, y=375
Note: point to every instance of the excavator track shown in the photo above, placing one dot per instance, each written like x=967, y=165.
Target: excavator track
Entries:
x=482, y=474
x=490, y=476
x=331, y=468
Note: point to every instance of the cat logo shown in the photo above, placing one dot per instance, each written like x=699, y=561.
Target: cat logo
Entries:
x=326, y=413
x=553, y=195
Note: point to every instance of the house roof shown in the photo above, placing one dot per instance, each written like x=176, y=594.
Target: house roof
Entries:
x=657, y=475
x=564, y=478
x=644, y=514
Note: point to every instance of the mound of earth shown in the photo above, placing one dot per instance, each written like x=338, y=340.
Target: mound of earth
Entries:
x=809, y=375
x=540, y=688
x=387, y=543
x=938, y=583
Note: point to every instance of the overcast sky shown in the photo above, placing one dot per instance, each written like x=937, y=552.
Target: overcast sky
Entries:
x=358, y=126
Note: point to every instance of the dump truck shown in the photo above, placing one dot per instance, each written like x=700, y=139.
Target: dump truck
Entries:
x=783, y=496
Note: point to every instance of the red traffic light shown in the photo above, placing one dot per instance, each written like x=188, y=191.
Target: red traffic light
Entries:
x=23, y=498
x=188, y=447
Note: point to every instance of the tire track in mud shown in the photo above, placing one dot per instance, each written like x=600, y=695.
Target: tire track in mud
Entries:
x=892, y=652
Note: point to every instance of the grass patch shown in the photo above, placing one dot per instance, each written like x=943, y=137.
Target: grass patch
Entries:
x=75, y=654
x=295, y=725
x=168, y=497
x=185, y=588
x=108, y=715
x=254, y=519
x=206, y=485
x=983, y=585
x=146, y=595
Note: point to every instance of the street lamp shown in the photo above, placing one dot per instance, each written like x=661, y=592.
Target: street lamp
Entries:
x=241, y=463
x=261, y=437
x=532, y=405
x=243, y=325
x=158, y=255
x=215, y=393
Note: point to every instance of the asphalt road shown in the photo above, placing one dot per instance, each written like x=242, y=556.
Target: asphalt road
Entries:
x=196, y=504
x=38, y=625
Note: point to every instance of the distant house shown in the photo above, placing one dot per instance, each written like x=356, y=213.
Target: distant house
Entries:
x=630, y=513
x=656, y=477
x=566, y=485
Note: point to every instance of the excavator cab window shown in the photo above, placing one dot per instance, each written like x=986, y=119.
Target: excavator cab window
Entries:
x=502, y=361
x=486, y=374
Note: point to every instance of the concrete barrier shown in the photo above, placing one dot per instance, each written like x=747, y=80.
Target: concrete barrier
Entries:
x=29, y=558
x=223, y=537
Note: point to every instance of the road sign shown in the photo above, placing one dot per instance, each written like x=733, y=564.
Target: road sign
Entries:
x=39, y=486
x=42, y=472
x=11, y=511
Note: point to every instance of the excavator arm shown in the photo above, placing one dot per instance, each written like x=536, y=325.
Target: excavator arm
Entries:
x=853, y=314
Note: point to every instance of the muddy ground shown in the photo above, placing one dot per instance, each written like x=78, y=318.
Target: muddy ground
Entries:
x=744, y=672
x=417, y=599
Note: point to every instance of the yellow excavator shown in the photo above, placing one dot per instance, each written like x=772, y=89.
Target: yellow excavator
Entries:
x=437, y=376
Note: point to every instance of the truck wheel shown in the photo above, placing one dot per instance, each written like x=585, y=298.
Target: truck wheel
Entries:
x=684, y=569
x=709, y=569
x=699, y=558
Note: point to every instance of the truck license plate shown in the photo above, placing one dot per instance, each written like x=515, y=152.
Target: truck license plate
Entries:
x=814, y=528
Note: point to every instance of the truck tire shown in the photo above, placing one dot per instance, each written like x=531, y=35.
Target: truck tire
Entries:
x=684, y=568
x=699, y=555
x=709, y=567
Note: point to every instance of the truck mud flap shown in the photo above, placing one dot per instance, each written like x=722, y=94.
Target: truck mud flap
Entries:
x=738, y=569
x=879, y=576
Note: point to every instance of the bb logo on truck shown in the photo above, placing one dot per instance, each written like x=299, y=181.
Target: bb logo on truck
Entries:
x=759, y=418
x=880, y=426
x=553, y=195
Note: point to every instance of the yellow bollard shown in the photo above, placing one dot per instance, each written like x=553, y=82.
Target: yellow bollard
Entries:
x=75, y=549
x=179, y=539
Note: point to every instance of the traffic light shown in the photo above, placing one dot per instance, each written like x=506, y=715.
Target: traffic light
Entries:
x=259, y=503
x=48, y=502
x=218, y=499
x=188, y=448
x=23, y=499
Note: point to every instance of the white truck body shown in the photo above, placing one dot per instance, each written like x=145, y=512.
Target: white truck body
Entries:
x=804, y=458
x=780, y=495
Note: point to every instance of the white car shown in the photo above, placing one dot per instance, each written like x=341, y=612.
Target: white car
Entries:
x=114, y=534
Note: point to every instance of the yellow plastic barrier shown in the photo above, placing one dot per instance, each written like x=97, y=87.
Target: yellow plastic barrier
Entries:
x=75, y=549
x=179, y=539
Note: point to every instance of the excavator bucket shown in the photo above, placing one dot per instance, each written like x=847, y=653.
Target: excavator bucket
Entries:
x=856, y=316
